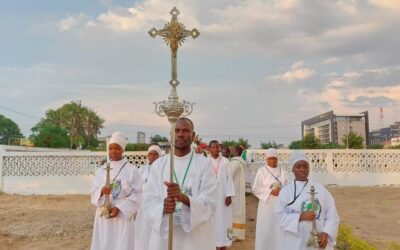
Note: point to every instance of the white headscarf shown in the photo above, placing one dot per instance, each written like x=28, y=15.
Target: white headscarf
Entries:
x=119, y=138
x=154, y=148
x=271, y=152
x=297, y=156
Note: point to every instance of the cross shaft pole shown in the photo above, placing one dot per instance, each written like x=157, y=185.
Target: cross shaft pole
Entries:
x=174, y=34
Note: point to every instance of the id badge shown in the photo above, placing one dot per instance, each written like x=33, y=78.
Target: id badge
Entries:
x=178, y=213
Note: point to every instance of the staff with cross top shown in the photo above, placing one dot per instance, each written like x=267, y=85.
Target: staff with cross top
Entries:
x=182, y=190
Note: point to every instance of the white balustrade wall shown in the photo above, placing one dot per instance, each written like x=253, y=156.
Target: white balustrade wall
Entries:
x=342, y=167
x=40, y=171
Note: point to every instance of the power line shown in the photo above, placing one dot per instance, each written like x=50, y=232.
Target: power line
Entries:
x=20, y=113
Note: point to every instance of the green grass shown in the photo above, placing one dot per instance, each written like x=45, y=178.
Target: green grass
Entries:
x=347, y=241
x=393, y=246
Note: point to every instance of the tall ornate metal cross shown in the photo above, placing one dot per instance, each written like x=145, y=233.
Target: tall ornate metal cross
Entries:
x=174, y=34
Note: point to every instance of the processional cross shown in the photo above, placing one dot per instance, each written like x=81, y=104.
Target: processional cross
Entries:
x=174, y=34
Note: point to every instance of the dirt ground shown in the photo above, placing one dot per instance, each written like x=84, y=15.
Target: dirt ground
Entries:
x=65, y=222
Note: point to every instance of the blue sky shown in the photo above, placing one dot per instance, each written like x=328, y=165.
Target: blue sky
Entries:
x=257, y=70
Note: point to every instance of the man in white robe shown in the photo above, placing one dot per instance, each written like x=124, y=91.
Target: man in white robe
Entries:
x=223, y=216
x=191, y=198
x=116, y=232
x=295, y=213
x=267, y=184
x=239, y=200
x=142, y=227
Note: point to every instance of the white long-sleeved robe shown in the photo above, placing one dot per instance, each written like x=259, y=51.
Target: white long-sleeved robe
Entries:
x=268, y=231
x=297, y=233
x=193, y=229
x=144, y=172
x=239, y=200
x=222, y=220
x=118, y=232
x=142, y=227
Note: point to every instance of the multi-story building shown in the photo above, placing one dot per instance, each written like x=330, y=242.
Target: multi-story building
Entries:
x=141, y=137
x=331, y=128
x=384, y=135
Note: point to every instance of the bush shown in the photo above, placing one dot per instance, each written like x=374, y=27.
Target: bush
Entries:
x=137, y=147
x=347, y=241
x=393, y=246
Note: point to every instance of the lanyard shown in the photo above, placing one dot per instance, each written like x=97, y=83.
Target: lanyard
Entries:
x=294, y=195
x=276, y=178
x=216, y=169
x=119, y=171
x=186, y=171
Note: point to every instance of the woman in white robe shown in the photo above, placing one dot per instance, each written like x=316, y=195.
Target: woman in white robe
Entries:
x=294, y=209
x=222, y=220
x=116, y=232
x=267, y=184
x=142, y=227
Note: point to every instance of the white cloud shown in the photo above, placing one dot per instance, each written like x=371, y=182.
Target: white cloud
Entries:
x=298, y=72
x=71, y=22
x=392, y=5
x=332, y=60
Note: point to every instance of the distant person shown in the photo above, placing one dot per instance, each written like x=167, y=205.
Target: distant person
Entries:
x=294, y=209
x=116, y=232
x=153, y=153
x=142, y=227
x=225, y=152
x=268, y=183
x=239, y=200
x=223, y=216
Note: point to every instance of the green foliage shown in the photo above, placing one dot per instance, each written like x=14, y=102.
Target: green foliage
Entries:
x=269, y=144
x=347, y=241
x=354, y=140
x=310, y=142
x=8, y=129
x=331, y=146
x=136, y=147
x=158, y=138
x=375, y=146
x=296, y=144
x=241, y=141
x=48, y=135
x=395, y=147
x=393, y=246
x=82, y=123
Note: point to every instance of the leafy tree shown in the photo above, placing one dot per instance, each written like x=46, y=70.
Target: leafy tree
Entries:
x=82, y=123
x=93, y=123
x=48, y=135
x=354, y=140
x=158, y=138
x=241, y=141
x=310, y=142
x=8, y=129
x=296, y=144
x=269, y=144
